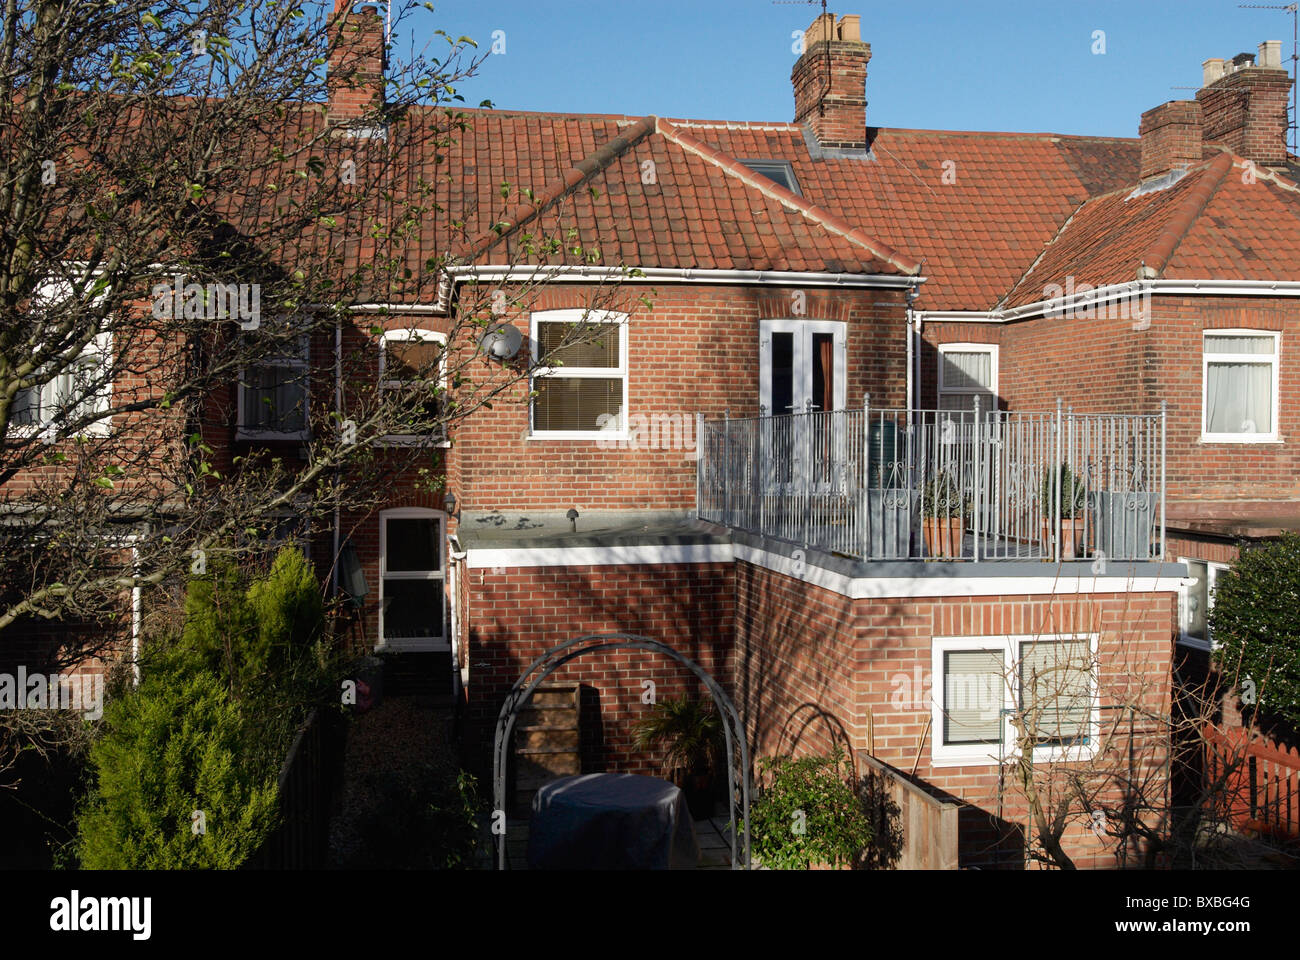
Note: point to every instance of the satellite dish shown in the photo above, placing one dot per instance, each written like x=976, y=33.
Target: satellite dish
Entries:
x=502, y=341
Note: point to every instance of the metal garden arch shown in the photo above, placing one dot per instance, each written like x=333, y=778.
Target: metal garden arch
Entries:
x=557, y=657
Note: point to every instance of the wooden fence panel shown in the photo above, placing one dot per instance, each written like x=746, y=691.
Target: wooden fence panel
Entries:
x=928, y=823
x=1257, y=780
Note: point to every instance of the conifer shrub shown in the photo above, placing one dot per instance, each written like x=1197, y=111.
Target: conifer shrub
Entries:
x=173, y=788
x=185, y=769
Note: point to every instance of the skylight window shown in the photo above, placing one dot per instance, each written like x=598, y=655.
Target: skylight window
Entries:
x=778, y=171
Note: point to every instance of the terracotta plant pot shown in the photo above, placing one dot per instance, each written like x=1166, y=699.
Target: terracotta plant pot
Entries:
x=943, y=536
x=698, y=789
x=1073, y=546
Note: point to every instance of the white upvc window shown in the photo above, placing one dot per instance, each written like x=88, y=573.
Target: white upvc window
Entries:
x=273, y=394
x=981, y=683
x=412, y=574
x=967, y=371
x=81, y=389
x=581, y=393
x=406, y=357
x=1196, y=601
x=1239, y=386
x=78, y=389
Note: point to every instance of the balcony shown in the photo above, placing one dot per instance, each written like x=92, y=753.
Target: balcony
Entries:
x=942, y=485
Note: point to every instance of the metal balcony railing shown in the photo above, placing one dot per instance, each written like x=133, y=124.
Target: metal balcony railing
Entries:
x=889, y=484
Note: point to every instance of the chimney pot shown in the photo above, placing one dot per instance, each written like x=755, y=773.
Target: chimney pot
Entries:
x=830, y=82
x=1246, y=108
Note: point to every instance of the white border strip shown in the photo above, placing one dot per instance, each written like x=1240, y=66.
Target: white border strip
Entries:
x=599, y=556
x=855, y=588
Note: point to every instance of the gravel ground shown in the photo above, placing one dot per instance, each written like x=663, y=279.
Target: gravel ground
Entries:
x=398, y=734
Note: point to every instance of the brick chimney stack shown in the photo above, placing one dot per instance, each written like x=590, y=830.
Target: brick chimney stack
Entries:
x=1171, y=137
x=1244, y=104
x=830, y=82
x=355, y=72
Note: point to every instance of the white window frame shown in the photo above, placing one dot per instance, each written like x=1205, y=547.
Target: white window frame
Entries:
x=413, y=644
x=300, y=360
x=101, y=347
x=619, y=430
x=803, y=331
x=1274, y=362
x=964, y=755
x=946, y=348
x=406, y=335
x=1213, y=568
x=48, y=398
x=757, y=164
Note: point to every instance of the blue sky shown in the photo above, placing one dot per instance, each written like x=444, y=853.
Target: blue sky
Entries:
x=943, y=64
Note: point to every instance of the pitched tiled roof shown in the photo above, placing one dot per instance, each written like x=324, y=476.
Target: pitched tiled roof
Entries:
x=654, y=196
x=989, y=219
x=1219, y=222
x=978, y=207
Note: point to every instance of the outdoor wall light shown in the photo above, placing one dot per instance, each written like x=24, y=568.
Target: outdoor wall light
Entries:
x=449, y=502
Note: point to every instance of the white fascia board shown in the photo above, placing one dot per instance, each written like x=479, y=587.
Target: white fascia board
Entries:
x=864, y=588
x=856, y=588
x=490, y=557
x=583, y=274
x=1204, y=288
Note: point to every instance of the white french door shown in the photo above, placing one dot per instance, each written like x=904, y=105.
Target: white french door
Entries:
x=802, y=369
x=802, y=366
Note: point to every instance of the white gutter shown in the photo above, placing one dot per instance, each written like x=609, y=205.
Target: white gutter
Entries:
x=584, y=274
x=395, y=308
x=1119, y=291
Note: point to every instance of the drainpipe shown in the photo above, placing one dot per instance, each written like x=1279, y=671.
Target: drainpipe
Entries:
x=913, y=352
x=338, y=414
x=459, y=671
x=137, y=613
x=910, y=352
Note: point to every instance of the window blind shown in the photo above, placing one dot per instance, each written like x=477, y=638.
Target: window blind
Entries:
x=1056, y=689
x=972, y=696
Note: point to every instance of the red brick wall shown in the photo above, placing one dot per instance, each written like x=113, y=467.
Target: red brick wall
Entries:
x=521, y=612
x=697, y=350
x=813, y=667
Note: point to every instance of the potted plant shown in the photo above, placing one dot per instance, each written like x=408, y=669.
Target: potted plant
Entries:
x=1071, y=511
x=690, y=731
x=943, y=515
